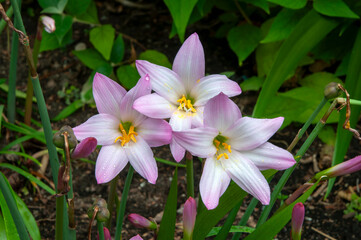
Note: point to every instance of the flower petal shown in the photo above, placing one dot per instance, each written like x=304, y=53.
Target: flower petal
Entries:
x=198, y=141
x=111, y=160
x=128, y=114
x=154, y=106
x=197, y=120
x=107, y=94
x=211, y=86
x=155, y=132
x=181, y=120
x=247, y=176
x=189, y=61
x=269, y=156
x=164, y=81
x=248, y=133
x=177, y=150
x=214, y=182
x=141, y=158
x=103, y=127
x=220, y=112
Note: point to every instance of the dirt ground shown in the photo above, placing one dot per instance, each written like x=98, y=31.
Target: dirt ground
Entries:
x=150, y=27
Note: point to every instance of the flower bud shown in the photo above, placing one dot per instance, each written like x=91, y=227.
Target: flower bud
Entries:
x=84, y=148
x=103, y=211
x=298, y=214
x=189, y=218
x=136, y=238
x=49, y=24
x=332, y=91
x=347, y=167
x=141, y=222
x=106, y=234
x=58, y=138
x=103, y=215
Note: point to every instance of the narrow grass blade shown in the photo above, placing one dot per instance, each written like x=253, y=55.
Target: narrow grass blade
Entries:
x=170, y=163
x=224, y=231
x=233, y=229
x=9, y=225
x=68, y=110
x=22, y=155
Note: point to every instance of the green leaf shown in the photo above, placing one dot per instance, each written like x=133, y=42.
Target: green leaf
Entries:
x=28, y=176
x=91, y=14
x=18, y=93
x=76, y=7
x=22, y=155
x=270, y=228
x=63, y=25
x=293, y=4
x=308, y=32
x=327, y=135
x=1, y=117
x=51, y=42
x=259, y=3
x=181, y=12
x=167, y=225
x=10, y=228
x=68, y=110
x=91, y=58
x=28, y=218
x=155, y=57
x=2, y=227
x=283, y=24
x=243, y=40
x=334, y=8
x=53, y=6
x=128, y=76
x=117, y=50
x=241, y=229
x=252, y=84
x=102, y=38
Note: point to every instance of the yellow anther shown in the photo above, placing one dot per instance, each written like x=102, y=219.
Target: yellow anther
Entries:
x=185, y=104
x=219, y=156
x=227, y=146
x=217, y=143
x=126, y=137
x=225, y=155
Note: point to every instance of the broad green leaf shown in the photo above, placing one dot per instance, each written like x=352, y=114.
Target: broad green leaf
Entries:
x=155, y=57
x=76, y=7
x=91, y=58
x=258, y=3
x=327, y=135
x=90, y=16
x=334, y=8
x=342, y=67
x=181, y=11
x=128, y=76
x=243, y=40
x=167, y=225
x=293, y=4
x=117, y=50
x=28, y=176
x=53, y=6
x=318, y=81
x=308, y=32
x=63, y=25
x=234, y=229
x=270, y=228
x=102, y=38
x=28, y=218
x=68, y=110
x=252, y=84
x=51, y=42
x=10, y=228
x=283, y=24
x=2, y=228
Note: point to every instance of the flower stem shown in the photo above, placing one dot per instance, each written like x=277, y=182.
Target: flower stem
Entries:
x=121, y=209
x=100, y=230
x=190, y=177
x=111, y=200
x=281, y=183
x=59, y=218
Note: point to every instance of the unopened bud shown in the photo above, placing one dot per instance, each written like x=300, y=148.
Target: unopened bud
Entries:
x=136, y=238
x=347, y=167
x=141, y=222
x=189, y=218
x=298, y=215
x=106, y=234
x=49, y=24
x=102, y=214
x=332, y=91
x=58, y=138
x=84, y=148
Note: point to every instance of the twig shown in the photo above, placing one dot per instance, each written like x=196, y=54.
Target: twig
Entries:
x=323, y=234
x=24, y=39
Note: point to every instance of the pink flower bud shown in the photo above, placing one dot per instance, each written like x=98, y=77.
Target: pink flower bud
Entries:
x=49, y=24
x=298, y=214
x=84, y=148
x=189, y=218
x=106, y=234
x=136, y=238
x=141, y=222
x=347, y=167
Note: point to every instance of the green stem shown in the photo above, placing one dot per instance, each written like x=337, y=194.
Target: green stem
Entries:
x=190, y=177
x=10, y=201
x=121, y=209
x=111, y=200
x=281, y=183
x=59, y=218
x=223, y=233
x=100, y=230
x=9, y=13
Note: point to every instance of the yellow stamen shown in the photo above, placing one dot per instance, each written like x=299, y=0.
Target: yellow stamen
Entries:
x=225, y=155
x=126, y=137
x=219, y=156
x=185, y=104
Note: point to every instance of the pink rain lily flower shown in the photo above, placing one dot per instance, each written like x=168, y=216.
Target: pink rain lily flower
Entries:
x=236, y=148
x=84, y=148
x=137, y=237
x=181, y=93
x=125, y=134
